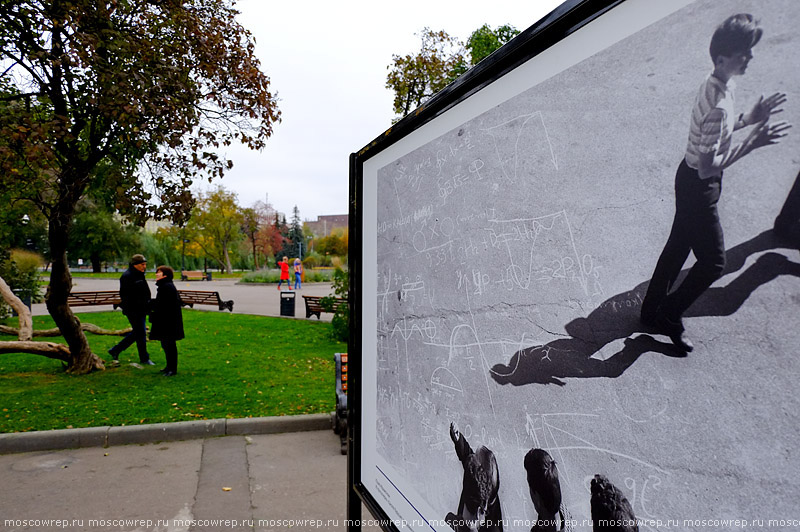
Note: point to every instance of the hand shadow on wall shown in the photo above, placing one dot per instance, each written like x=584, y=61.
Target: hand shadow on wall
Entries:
x=618, y=317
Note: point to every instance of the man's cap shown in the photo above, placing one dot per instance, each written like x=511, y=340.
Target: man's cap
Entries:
x=138, y=259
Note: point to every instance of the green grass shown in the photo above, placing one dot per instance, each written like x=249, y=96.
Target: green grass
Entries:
x=229, y=366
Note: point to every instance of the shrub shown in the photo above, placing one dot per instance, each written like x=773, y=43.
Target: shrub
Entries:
x=20, y=270
x=341, y=318
x=273, y=276
x=261, y=276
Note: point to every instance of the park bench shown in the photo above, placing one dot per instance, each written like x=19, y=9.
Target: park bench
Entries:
x=340, y=419
x=195, y=276
x=85, y=299
x=314, y=305
x=189, y=298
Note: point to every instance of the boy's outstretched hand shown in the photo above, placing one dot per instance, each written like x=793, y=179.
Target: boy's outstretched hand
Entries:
x=764, y=108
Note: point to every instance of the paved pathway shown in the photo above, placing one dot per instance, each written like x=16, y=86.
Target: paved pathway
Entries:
x=262, y=482
x=260, y=299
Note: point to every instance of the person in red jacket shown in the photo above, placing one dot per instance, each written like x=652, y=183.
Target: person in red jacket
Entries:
x=284, y=264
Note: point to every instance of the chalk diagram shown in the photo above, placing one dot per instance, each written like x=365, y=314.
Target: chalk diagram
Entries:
x=468, y=271
x=425, y=237
x=528, y=131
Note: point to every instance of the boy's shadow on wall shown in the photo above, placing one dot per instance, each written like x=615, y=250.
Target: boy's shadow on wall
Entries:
x=618, y=317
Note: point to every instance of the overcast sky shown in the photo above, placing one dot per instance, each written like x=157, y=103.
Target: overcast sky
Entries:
x=327, y=63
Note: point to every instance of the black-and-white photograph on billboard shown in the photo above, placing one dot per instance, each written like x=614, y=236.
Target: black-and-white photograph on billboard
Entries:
x=581, y=285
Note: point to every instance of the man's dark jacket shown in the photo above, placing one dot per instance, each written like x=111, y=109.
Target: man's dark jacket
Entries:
x=134, y=293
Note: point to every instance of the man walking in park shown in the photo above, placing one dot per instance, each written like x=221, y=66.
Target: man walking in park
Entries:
x=698, y=181
x=134, y=294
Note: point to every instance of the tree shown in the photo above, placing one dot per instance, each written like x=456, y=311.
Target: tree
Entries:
x=165, y=247
x=415, y=78
x=267, y=241
x=270, y=241
x=131, y=96
x=216, y=224
x=97, y=234
x=250, y=226
x=296, y=232
x=285, y=248
x=485, y=40
x=334, y=244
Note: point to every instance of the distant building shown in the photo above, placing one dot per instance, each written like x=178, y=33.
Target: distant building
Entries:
x=152, y=226
x=325, y=224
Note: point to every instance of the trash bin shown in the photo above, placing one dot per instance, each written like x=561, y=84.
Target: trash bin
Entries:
x=208, y=276
x=287, y=304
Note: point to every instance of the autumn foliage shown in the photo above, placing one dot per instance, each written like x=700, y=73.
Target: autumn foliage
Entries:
x=129, y=96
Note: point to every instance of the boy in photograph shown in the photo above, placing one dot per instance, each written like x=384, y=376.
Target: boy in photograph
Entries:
x=698, y=182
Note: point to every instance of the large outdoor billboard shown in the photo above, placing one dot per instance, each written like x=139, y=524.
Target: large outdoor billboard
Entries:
x=508, y=240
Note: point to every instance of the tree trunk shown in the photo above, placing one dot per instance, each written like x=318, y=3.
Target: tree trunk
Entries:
x=228, y=267
x=81, y=359
x=25, y=331
x=25, y=325
x=97, y=263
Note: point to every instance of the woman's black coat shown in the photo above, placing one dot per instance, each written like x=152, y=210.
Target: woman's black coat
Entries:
x=165, y=317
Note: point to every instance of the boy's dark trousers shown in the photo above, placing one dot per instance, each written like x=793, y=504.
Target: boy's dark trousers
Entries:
x=789, y=216
x=695, y=228
x=138, y=334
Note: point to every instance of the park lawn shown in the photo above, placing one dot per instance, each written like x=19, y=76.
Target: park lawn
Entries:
x=229, y=366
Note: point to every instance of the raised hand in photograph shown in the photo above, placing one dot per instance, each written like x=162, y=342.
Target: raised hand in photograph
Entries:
x=479, y=505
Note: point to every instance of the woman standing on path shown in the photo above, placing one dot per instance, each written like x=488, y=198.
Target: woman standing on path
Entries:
x=284, y=264
x=166, y=318
x=298, y=274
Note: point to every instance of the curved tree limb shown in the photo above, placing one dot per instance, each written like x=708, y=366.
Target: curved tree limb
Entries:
x=24, y=344
x=88, y=327
x=48, y=349
x=25, y=331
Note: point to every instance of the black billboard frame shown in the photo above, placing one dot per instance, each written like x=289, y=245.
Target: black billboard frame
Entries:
x=556, y=26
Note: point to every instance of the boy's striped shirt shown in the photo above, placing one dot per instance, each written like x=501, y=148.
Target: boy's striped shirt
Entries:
x=713, y=120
